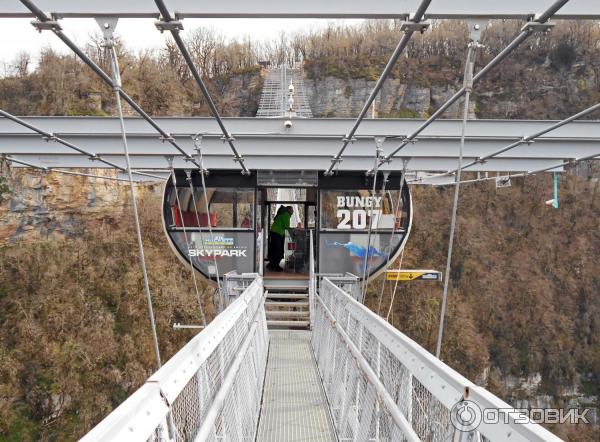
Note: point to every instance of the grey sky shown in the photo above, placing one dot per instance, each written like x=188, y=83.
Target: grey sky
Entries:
x=18, y=34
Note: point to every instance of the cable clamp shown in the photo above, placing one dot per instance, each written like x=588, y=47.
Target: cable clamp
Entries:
x=227, y=137
x=534, y=26
x=48, y=25
x=528, y=142
x=347, y=139
x=409, y=141
x=189, y=158
x=173, y=25
x=239, y=159
x=52, y=137
x=411, y=26
x=169, y=137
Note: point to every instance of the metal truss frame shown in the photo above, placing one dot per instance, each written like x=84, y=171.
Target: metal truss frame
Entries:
x=309, y=141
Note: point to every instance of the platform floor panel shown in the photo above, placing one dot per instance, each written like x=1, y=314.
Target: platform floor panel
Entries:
x=294, y=407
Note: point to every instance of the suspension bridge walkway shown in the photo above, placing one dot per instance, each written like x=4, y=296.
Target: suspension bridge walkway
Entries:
x=350, y=376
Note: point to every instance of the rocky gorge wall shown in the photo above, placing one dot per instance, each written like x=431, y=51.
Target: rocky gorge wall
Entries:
x=344, y=98
x=41, y=205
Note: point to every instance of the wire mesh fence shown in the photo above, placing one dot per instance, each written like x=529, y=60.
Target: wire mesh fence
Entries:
x=209, y=390
x=358, y=409
x=382, y=386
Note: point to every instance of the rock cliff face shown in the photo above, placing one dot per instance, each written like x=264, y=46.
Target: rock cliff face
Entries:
x=40, y=205
x=336, y=97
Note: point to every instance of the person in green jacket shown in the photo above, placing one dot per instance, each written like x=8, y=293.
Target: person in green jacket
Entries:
x=277, y=237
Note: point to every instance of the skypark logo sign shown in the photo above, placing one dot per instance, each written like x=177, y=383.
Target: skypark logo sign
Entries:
x=466, y=416
x=219, y=246
x=237, y=253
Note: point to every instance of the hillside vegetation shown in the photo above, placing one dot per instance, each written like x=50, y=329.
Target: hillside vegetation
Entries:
x=548, y=76
x=74, y=331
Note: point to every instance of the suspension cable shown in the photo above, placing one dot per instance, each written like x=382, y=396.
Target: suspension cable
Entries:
x=45, y=23
x=595, y=156
x=378, y=150
x=174, y=27
x=188, y=174
x=526, y=140
x=198, y=147
x=383, y=189
x=387, y=317
x=468, y=86
x=187, y=243
x=53, y=137
x=409, y=30
x=117, y=86
x=402, y=182
x=526, y=31
x=64, y=172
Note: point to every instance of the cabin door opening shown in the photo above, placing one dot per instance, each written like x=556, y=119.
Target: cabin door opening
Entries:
x=296, y=250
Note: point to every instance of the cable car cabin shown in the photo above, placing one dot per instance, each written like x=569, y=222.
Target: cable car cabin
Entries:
x=221, y=229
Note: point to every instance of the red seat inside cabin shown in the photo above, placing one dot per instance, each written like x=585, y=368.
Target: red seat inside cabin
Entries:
x=190, y=219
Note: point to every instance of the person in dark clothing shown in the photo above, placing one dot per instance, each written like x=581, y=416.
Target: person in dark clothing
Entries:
x=277, y=237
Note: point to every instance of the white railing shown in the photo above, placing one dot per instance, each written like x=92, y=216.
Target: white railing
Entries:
x=210, y=390
x=312, y=281
x=383, y=386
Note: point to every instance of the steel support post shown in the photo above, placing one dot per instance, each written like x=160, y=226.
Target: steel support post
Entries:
x=409, y=29
x=526, y=31
x=475, y=30
x=116, y=81
x=525, y=140
x=174, y=26
x=44, y=23
x=52, y=137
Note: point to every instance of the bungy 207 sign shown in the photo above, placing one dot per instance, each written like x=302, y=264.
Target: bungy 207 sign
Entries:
x=353, y=212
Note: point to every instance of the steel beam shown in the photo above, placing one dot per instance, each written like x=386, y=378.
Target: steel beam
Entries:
x=309, y=144
x=409, y=30
x=174, y=27
x=298, y=162
x=558, y=148
x=526, y=31
x=459, y=9
x=308, y=127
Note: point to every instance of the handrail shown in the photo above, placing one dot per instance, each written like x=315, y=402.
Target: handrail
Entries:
x=425, y=375
x=372, y=377
x=176, y=400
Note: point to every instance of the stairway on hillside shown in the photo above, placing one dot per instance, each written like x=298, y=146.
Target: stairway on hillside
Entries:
x=274, y=97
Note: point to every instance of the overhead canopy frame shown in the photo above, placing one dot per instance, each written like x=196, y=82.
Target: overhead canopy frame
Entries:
x=308, y=144
x=439, y=9
x=269, y=144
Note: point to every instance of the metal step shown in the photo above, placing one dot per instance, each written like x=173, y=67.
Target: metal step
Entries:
x=286, y=314
x=287, y=324
x=286, y=288
x=286, y=304
x=287, y=295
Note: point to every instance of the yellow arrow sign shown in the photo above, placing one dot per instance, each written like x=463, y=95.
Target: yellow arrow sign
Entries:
x=413, y=275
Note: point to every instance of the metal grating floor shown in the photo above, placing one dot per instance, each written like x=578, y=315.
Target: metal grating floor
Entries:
x=294, y=407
